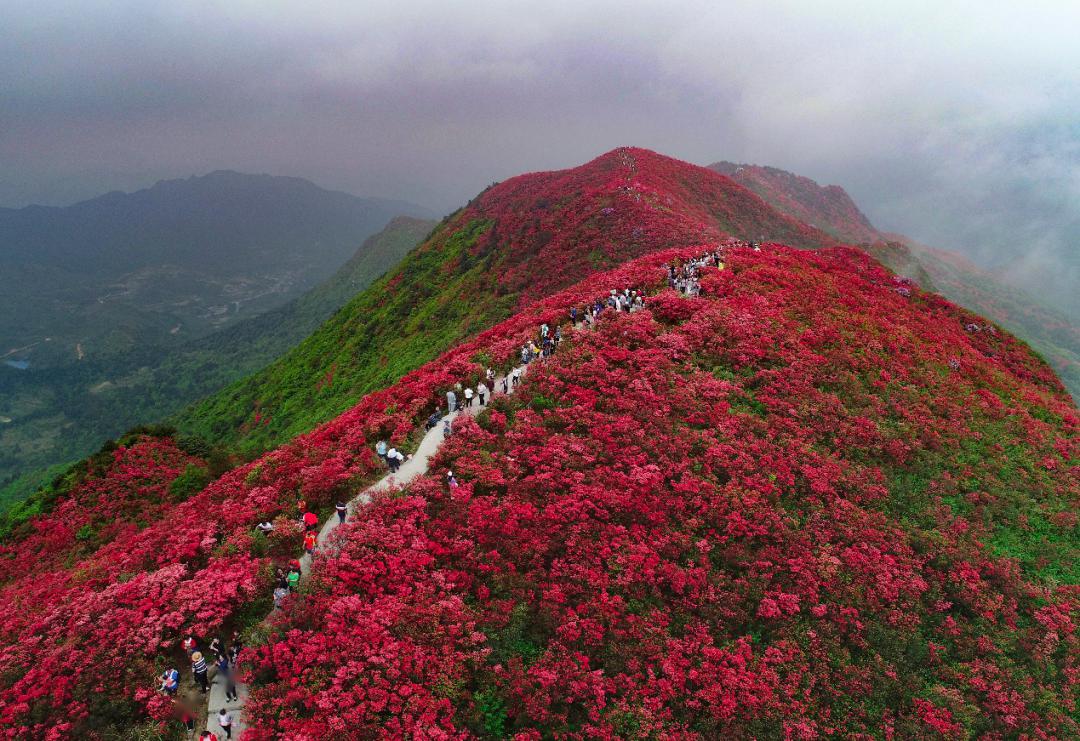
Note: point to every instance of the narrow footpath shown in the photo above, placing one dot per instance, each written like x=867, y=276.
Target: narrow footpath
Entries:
x=685, y=281
x=414, y=466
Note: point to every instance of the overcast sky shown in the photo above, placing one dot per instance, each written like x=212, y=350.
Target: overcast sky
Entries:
x=956, y=122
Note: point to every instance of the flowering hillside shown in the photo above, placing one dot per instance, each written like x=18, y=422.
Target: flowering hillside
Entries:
x=813, y=502
x=1054, y=335
x=515, y=242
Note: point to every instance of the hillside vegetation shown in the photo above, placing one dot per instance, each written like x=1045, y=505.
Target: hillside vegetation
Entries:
x=811, y=502
x=60, y=414
x=517, y=241
x=1047, y=328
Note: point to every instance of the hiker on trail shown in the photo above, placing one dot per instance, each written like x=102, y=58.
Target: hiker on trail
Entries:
x=447, y=430
x=235, y=644
x=506, y=384
x=311, y=521
x=394, y=458
x=224, y=720
x=558, y=336
x=468, y=396
x=451, y=401
x=225, y=670
x=489, y=375
x=573, y=315
x=525, y=354
x=280, y=579
x=482, y=392
x=433, y=420
x=294, y=580
x=198, y=671
x=170, y=681
x=280, y=593
x=188, y=644
x=517, y=376
x=544, y=329
x=380, y=450
x=310, y=541
x=216, y=648
x=342, y=511
x=450, y=480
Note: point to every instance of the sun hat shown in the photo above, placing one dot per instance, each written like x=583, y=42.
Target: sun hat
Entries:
x=197, y=656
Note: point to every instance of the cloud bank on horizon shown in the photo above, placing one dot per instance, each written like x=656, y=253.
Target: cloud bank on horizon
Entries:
x=956, y=123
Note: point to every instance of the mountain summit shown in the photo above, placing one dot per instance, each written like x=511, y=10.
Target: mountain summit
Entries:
x=515, y=242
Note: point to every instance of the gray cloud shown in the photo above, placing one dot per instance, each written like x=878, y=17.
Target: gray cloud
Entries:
x=953, y=122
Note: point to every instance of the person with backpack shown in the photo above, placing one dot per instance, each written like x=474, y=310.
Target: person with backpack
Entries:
x=198, y=671
x=482, y=392
x=342, y=511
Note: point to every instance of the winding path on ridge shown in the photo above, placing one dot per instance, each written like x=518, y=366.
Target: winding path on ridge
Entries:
x=416, y=465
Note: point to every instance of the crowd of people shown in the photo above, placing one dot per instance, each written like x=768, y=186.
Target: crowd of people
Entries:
x=222, y=658
x=685, y=278
x=682, y=277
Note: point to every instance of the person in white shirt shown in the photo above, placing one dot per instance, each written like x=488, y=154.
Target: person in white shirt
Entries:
x=224, y=719
x=482, y=392
x=468, y=397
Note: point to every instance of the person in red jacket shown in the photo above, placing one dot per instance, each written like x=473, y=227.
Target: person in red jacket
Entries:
x=310, y=540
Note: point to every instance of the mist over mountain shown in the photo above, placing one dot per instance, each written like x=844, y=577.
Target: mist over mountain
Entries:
x=1037, y=312
x=57, y=414
x=170, y=263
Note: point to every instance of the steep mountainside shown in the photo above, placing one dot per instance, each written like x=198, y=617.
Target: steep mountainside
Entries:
x=1049, y=331
x=517, y=241
x=64, y=413
x=811, y=502
x=164, y=265
x=828, y=207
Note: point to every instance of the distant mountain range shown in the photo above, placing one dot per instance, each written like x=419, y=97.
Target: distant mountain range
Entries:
x=124, y=308
x=170, y=263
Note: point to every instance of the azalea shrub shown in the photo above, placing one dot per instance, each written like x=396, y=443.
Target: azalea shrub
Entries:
x=813, y=502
